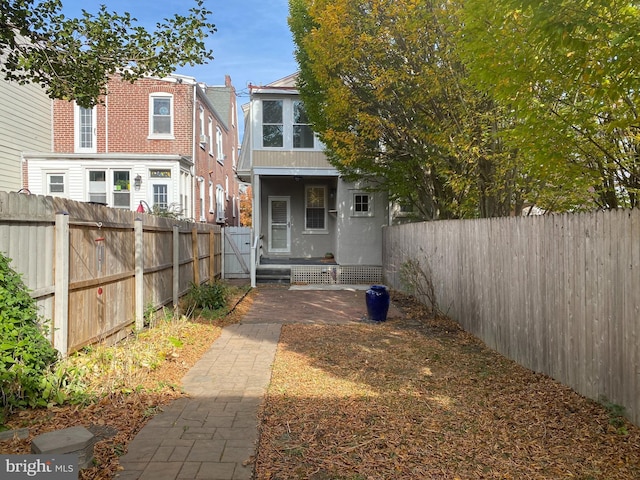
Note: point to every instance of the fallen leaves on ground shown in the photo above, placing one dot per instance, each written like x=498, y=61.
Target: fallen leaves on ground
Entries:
x=118, y=416
x=418, y=398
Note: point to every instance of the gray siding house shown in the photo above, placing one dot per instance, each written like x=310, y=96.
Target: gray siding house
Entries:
x=303, y=211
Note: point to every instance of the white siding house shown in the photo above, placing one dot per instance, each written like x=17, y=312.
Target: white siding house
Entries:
x=117, y=180
x=25, y=125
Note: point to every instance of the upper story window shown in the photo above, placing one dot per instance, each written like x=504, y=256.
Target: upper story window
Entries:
x=85, y=130
x=203, y=136
x=161, y=115
x=272, y=123
x=219, y=146
x=210, y=135
x=302, y=133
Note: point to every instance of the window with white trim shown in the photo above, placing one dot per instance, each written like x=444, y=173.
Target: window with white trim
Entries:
x=302, y=134
x=272, y=123
x=85, y=130
x=122, y=189
x=210, y=133
x=219, y=145
x=161, y=115
x=98, y=186
x=203, y=218
x=315, y=208
x=110, y=187
x=161, y=196
x=362, y=205
x=220, y=204
x=211, y=198
x=56, y=184
x=203, y=138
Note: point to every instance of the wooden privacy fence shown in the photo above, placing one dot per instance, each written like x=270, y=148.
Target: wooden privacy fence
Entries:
x=558, y=294
x=94, y=270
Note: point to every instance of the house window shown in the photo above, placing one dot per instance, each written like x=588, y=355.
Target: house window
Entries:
x=121, y=189
x=211, y=199
x=55, y=184
x=98, y=186
x=161, y=196
x=210, y=133
x=315, y=208
x=160, y=173
x=220, y=147
x=161, y=115
x=362, y=205
x=203, y=136
x=272, y=126
x=203, y=218
x=302, y=133
x=85, y=129
x=220, y=205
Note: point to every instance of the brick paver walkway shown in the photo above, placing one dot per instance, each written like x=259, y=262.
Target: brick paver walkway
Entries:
x=212, y=434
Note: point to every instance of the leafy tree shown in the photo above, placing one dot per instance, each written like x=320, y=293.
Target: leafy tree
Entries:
x=571, y=71
x=74, y=57
x=246, y=208
x=388, y=94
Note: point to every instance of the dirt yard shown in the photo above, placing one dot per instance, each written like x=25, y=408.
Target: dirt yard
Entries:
x=417, y=398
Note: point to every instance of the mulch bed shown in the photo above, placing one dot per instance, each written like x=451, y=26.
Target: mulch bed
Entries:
x=416, y=398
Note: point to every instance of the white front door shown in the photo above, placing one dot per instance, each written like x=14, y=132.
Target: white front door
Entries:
x=279, y=225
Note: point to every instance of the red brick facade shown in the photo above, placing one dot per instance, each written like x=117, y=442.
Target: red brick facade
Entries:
x=123, y=126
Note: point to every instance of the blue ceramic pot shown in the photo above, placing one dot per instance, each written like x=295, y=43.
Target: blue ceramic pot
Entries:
x=378, y=301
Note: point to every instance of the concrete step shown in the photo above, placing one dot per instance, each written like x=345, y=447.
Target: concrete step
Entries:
x=273, y=275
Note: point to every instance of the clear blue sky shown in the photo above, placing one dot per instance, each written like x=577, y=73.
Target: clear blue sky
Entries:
x=253, y=42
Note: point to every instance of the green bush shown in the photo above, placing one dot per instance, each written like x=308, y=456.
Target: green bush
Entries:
x=207, y=296
x=26, y=356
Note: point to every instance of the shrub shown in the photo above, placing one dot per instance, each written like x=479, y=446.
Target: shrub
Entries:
x=26, y=356
x=207, y=296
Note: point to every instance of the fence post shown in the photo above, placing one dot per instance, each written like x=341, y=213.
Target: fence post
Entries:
x=61, y=288
x=176, y=265
x=139, y=272
x=196, y=256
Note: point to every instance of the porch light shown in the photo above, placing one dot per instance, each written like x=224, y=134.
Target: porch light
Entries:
x=137, y=182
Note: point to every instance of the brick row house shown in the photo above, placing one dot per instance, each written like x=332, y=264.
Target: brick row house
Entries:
x=158, y=144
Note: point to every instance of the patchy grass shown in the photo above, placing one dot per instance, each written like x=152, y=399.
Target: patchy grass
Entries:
x=419, y=398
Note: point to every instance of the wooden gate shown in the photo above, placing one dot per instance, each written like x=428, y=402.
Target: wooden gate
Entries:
x=237, y=252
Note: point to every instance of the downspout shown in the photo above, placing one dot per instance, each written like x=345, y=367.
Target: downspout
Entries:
x=106, y=120
x=193, y=155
